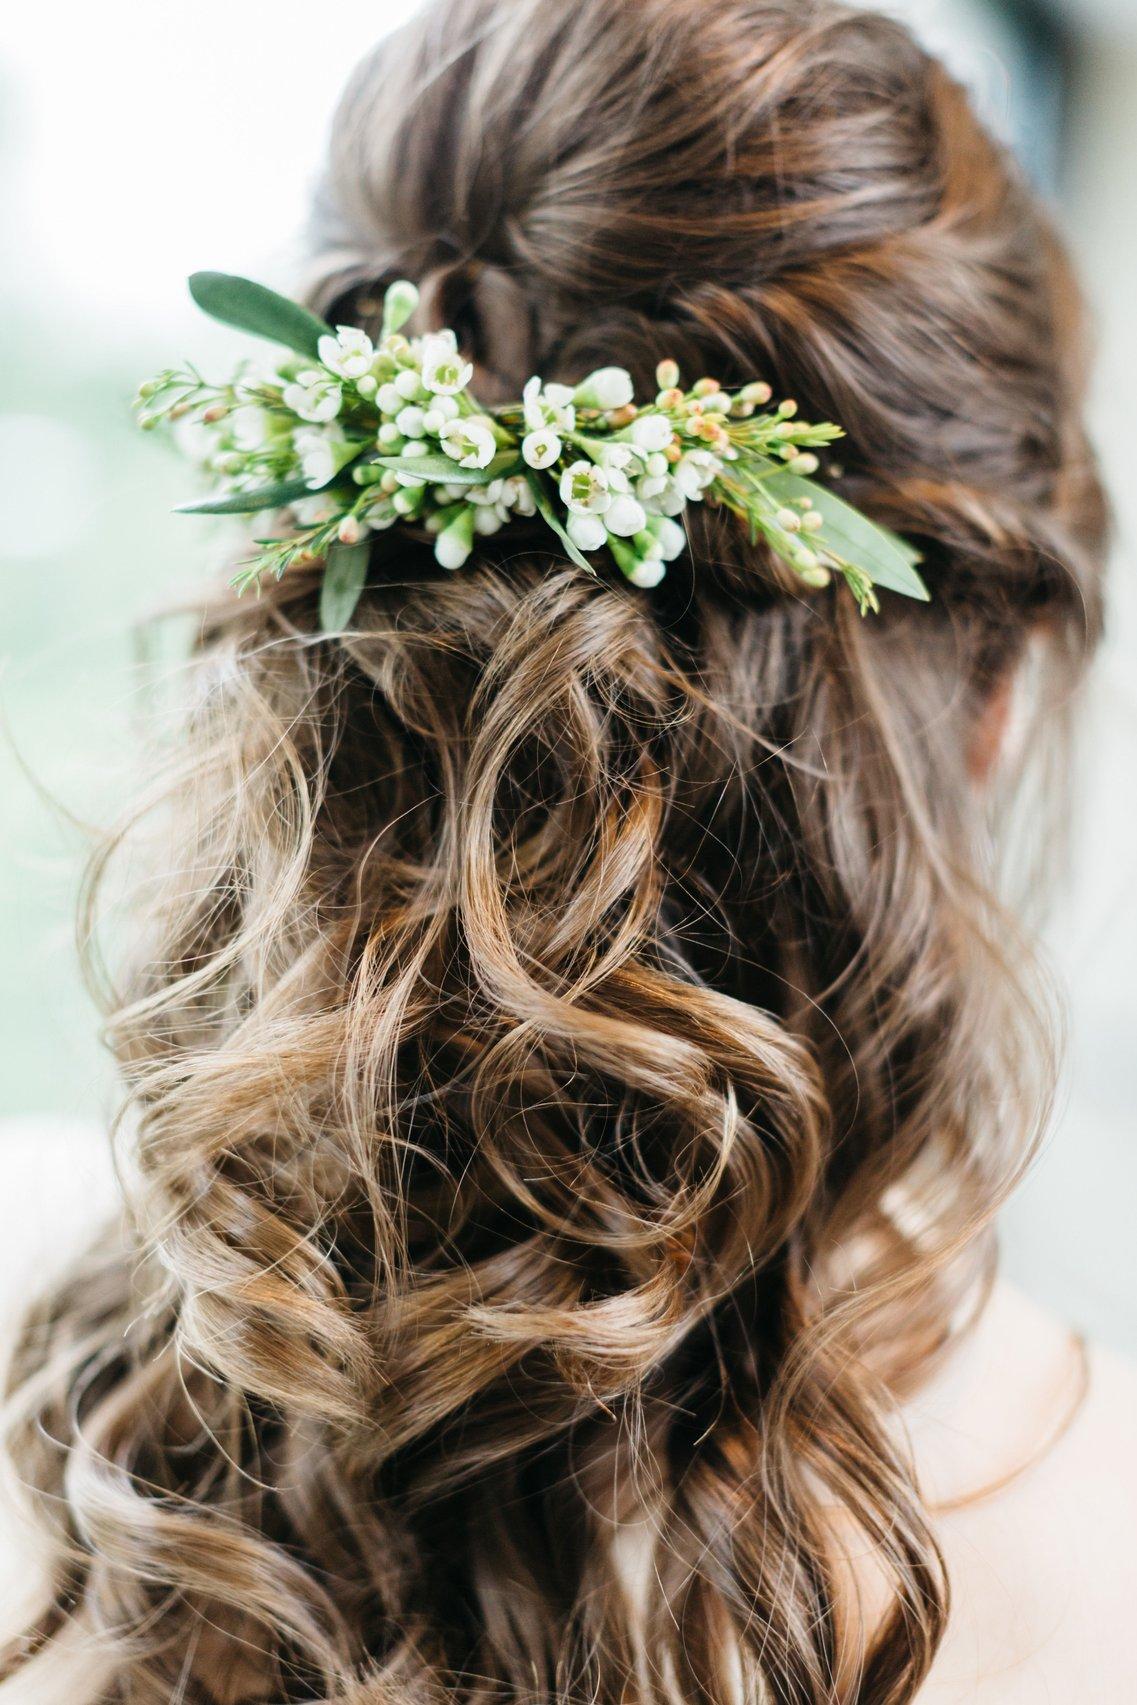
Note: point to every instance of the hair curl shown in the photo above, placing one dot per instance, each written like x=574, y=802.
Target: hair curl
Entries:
x=575, y=1048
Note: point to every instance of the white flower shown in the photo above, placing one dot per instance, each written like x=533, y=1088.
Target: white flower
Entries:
x=647, y=572
x=615, y=455
x=549, y=405
x=516, y=495
x=584, y=489
x=349, y=353
x=531, y=404
x=470, y=441
x=650, y=486
x=250, y=427
x=312, y=511
x=313, y=396
x=389, y=399
x=443, y=370
x=608, y=387
x=651, y=432
x=671, y=500
x=670, y=536
x=587, y=532
x=319, y=451
x=559, y=396
x=541, y=447
x=624, y=516
x=441, y=409
x=695, y=471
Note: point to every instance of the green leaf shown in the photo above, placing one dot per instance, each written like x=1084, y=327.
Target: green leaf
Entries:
x=549, y=515
x=248, y=502
x=344, y=580
x=254, y=308
x=885, y=558
x=440, y=469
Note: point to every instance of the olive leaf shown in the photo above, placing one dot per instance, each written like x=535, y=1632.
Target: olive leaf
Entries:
x=248, y=502
x=443, y=470
x=254, y=308
x=886, y=559
x=344, y=579
x=549, y=515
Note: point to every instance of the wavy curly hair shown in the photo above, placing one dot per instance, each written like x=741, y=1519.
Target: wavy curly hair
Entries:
x=573, y=1045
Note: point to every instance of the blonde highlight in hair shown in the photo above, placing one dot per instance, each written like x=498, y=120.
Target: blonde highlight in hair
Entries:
x=574, y=1046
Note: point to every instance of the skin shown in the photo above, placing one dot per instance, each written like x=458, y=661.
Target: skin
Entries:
x=1043, y=1570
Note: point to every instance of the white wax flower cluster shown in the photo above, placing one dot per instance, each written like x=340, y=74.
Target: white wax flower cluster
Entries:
x=355, y=434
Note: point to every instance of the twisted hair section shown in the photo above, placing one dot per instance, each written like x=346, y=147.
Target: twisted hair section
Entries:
x=572, y=1043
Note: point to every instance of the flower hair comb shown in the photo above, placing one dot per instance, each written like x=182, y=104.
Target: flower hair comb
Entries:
x=345, y=438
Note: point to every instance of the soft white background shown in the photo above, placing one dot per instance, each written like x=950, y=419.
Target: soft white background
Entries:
x=139, y=141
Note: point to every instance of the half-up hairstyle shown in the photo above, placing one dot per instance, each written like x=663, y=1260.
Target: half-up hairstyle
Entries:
x=573, y=1047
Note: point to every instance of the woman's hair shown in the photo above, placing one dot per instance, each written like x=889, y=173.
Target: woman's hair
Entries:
x=574, y=1047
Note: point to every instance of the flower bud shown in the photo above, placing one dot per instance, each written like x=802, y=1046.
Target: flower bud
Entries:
x=625, y=515
x=399, y=304
x=788, y=520
x=607, y=388
x=624, y=416
x=456, y=540
x=667, y=375
x=806, y=463
x=670, y=535
x=587, y=532
x=409, y=384
x=651, y=432
x=646, y=572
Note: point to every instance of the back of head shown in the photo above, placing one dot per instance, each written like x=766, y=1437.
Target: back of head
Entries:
x=579, y=1047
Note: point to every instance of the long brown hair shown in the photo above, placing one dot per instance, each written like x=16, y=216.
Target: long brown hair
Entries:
x=574, y=1046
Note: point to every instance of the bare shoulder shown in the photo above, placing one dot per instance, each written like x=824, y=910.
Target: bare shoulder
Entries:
x=1028, y=1448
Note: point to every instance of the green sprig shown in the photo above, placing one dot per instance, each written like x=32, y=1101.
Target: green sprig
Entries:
x=369, y=435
